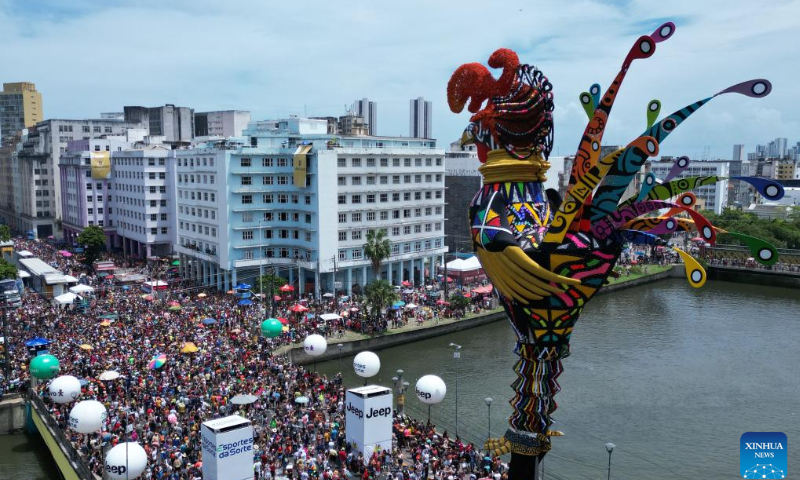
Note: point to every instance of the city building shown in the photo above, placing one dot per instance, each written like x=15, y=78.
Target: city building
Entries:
x=462, y=181
x=226, y=123
x=420, y=118
x=738, y=152
x=36, y=208
x=174, y=124
x=352, y=124
x=715, y=196
x=369, y=112
x=131, y=199
x=20, y=107
x=294, y=198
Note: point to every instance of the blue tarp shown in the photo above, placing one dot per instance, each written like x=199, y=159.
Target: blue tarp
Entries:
x=37, y=342
x=245, y=302
x=209, y=321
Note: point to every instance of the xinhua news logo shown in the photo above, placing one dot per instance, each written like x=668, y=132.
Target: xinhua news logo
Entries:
x=763, y=455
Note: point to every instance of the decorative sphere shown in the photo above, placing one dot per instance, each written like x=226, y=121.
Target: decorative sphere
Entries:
x=87, y=416
x=64, y=389
x=44, y=367
x=366, y=364
x=315, y=345
x=271, y=327
x=117, y=468
x=431, y=389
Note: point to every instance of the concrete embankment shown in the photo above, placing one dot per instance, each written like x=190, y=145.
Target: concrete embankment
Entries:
x=12, y=414
x=297, y=355
x=770, y=278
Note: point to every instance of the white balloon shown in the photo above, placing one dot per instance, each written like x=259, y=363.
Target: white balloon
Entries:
x=87, y=416
x=64, y=389
x=315, y=345
x=366, y=364
x=116, y=466
x=431, y=389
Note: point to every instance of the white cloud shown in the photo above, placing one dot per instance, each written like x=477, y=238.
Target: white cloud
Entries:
x=313, y=56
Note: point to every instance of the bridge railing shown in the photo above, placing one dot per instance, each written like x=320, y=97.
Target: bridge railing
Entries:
x=74, y=457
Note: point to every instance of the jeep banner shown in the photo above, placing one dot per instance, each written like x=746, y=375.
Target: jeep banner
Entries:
x=368, y=416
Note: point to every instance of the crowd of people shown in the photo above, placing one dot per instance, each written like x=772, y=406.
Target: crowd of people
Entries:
x=162, y=408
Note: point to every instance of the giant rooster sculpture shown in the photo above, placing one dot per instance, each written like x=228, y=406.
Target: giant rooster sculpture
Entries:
x=546, y=256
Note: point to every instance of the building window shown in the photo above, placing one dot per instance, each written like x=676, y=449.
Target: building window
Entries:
x=342, y=254
x=370, y=198
x=356, y=235
x=384, y=162
x=164, y=230
x=406, y=162
x=267, y=198
x=384, y=197
x=395, y=231
x=247, y=234
x=342, y=180
x=357, y=254
x=407, y=230
x=370, y=162
x=283, y=180
x=356, y=180
x=396, y=179
x=342, y=218
x=342, y=235
x=245, y=162
x=384, y=179
x=341, y=162
x=417, y=178
x=417, y=228
x=395, y=249
x=247, y=199
x=247, y=217
x=356, y=162
x=247, y=255
x=355, y=198
x=266, y=162
x=370, y=216
x=384, y=215
x=283, y=198
x=247, y=180
x=356, y=217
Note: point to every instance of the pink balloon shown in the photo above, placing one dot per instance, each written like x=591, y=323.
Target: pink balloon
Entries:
x=172, y=418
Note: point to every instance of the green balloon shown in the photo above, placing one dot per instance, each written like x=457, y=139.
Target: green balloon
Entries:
x=271, y=327
x=44, y=367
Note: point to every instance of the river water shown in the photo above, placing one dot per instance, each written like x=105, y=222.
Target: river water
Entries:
x=672, y=375
x=25, y=457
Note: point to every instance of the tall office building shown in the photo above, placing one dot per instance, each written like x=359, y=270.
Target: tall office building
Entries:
x=369, y=112
x=738, y=152
x=175, y=124
x=20, y=107
x=420, y=118
x=226, y=123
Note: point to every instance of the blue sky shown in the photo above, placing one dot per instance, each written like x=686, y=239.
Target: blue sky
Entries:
x=281, y=58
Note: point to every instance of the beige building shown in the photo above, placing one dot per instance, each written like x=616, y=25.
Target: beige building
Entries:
x=20, y=107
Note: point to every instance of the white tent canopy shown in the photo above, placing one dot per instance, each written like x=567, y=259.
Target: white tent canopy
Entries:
x=329, y=316
x=70, y=279
x=464, y=264
x=66, y=298
x=81, y=289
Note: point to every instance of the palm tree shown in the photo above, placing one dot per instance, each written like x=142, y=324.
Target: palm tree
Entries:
x=378, y=295
x=377, y=248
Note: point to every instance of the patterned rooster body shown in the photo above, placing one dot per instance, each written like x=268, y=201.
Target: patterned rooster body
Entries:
x=547, y=256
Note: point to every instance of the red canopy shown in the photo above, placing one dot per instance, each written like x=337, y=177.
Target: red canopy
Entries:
x=449, y=280
x=467, y=295
x=299, y=308
x=442, y=302
x=287, y=288
x=406, y=283
x=277, y=298
x=483, y=290
x=283, y=321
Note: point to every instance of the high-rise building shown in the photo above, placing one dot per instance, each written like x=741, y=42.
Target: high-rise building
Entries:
x=174, y=124
x=369, y=112
x=20, y=107
x=226, y=123
x=420, y=118
x=295, y=198
x=738, y=152
x=714, y=197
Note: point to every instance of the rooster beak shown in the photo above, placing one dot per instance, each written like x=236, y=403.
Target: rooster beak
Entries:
x=467, y=138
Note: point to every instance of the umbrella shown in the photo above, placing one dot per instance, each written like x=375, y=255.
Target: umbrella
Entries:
x=230, y=292
x=126, y=287
x=174, y=304
x=354, y=309
x=209, y=321
x=411, y=306
x=287, y=288
x=245, y=302
x=201, y=295
x=406, y=283
x=37, y=342
x=301, y=400
x=85, y=346
x=285, y=329
x=175, y=308
x=243, y=399
x=157, y=362
x=450, y=280
x=277, y=298
x=189, y=347
x=176, y=263
x=105, y=323
x=299, y=308
x=467, y=295
x=442, y=302
x=399, y=304
x=149, y=298
x=408, y=290
x=283, y=320
x=243, y=286
x=109, y=375
x=328, y=295
x=65, y=253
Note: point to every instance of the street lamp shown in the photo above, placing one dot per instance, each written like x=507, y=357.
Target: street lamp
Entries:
x=456, y=356
x=609, y=448
x=489, y=401
x=341, y=347
x=401, y=387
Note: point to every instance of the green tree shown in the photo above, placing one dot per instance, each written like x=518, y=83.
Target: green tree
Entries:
x=379, y=295
x=93, y=240
x=377, y=249
x=458, y=301
x=7, y=270
x=5, y=233
x=270, y=284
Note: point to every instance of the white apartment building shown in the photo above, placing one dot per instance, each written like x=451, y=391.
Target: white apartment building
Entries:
x=295, y=198
x=225, y=123
x=715, y=196
x=420, y=122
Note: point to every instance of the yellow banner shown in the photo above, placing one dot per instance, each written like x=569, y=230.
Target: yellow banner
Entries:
x=101, y=165
x=301, y=165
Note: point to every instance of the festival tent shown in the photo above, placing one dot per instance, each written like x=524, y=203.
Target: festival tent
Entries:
x=69, y=279
x=66, y=298
x=287, y=288
x=81, y=289
x=299, y=308
x=465, y=269
x=486, y=289
x=330, y=316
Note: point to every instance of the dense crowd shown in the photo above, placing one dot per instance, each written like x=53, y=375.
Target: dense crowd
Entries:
x=162, y=408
